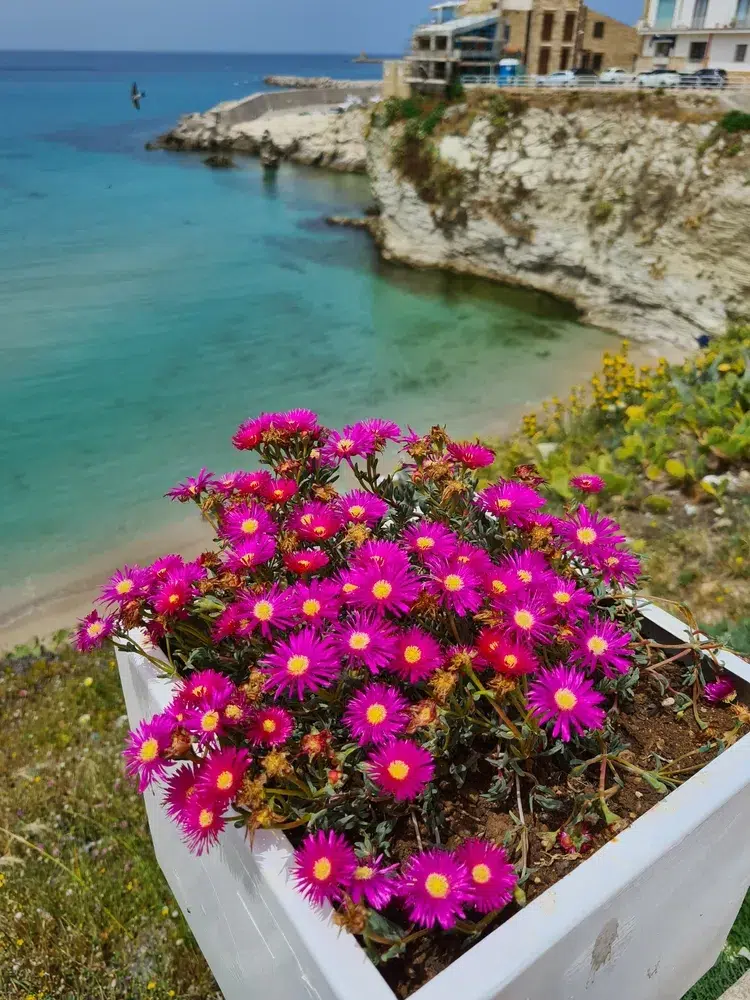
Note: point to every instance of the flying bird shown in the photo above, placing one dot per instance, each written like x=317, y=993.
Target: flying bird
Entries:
x=136, y=96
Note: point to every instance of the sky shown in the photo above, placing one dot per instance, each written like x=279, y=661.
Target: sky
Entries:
x=331, y=26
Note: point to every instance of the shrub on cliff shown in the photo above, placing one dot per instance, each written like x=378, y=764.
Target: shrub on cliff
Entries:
x=736, y=121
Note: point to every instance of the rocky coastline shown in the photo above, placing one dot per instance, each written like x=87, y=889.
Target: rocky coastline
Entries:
x=315, y=82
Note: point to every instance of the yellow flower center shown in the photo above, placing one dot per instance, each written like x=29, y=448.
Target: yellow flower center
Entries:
x=322, y=869
x=199, y=690
x=376, y=714
x=95, y=629
x=565, y=700
x=612, y=561
x=425, y=543
x=363, y=873
x=586, y=536
x=205, y=818
x=398, y=770
x=173, y=598
x=356, y=511
x=524, y=576
x=124, y=586
x=498, y=586
x=310, y=607
x=453, y=582
x=481, y=874
x=233, y=712
x=561, y=597
x=298, y=665
x=268, y=726
x=225, y=780
x=597, y=645
x=345, y=444
x=359, y=640
x=524, y=620
x=437, y=885
x=263, y=611
x=320, y=531
x=382, y=589
x=412, y=654
x=249, y=526
x=210, y=721
x=248, y=559
x=349, y=588
x=149, y=750
x=511, y=661
x=306, y=519
x=503, y=504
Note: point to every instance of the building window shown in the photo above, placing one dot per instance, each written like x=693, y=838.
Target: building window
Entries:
x=423, y=43
x=699, y=14
x=697, y=51
x=570, y=26
x=662, y=49
x=742, y=17
x=506, y=33
x=543, y=62
x=596, y=62
x=665, y=13
x=548, y=23
x=441, y=43
x=598, y=29
x=740, y=53
x=564, y=58
x=585, y=60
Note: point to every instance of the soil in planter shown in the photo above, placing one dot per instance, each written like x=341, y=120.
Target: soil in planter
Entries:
x=556, y=842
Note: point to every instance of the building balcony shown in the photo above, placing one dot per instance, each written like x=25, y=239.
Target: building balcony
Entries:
x=699, y=24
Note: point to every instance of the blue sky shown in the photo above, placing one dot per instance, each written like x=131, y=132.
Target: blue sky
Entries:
x=225, y=25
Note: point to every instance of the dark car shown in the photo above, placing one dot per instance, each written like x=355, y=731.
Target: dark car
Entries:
x=705, y=78
x=585, y=77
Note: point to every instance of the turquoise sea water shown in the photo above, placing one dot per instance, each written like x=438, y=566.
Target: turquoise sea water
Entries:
x=148, y=304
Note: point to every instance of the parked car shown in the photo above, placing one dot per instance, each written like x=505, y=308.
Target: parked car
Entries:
x=705, y=78
x=585, y=78
x=561, y=78
x=659, y=78
x=617, y=76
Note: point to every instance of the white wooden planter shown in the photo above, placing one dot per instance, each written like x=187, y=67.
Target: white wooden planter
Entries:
x=642, y=919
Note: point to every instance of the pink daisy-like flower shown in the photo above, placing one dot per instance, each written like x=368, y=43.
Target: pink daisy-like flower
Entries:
x=722, y=689
x=305, y=561
x=528, y=618
x=93, y=630
x=315, y=601
x=471, y=454
x=355, y=441
x=227, y=623
x=205, y=685
x=622, y=567
x=435, y=888
x=511, y=501
x=383, y=554
x=270, y=727
x=248, y=520
x=456, y=586
x=315, y=521
x=503, y=655
x=299, y=421
x=529, y=568
x=382, y=430
x=270, y=609
x=237, y=710
x=417, y=655
x=180, y=787
x=373, y=882
x=368, y=639
x=145, y=751
x=568, y=697
x=588, y=483
x=202, y=822
x=163, y=568
x=569, y=601
x=192, y=488
x=250, y=433
x=127, y=584
x=602, y=643
x=173, y=596
x=588, y=534
x=475, y=558
x=389, y=587
x=493, y=878
x=430, y=540
x=301, y=663
x=324, y=864
x=376, y=714
x=253, y=484
x=401, y=768
x=207, y=722
x=359, y=507
x=499, y=582
x=279, y=491
x=246, y=556
x=221, y=775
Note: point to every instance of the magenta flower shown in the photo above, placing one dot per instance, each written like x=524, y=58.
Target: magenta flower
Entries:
x=315, y=601
x=588, y=483
x=270, y=609
x=145, y=751
x=456, y=586
x=202, y=822
x=128, y=584
x=250, y=433
x=417, y=655
x=471, y=454
x=192, y=488
x=367, y=639
x=382, y=430
x=270, y=727
x=173, y=596
x=207, y=722
x=385, y=588
x=353, y=442
x=204, y=686
x=588, y=534
x=435, y=888
x=383, y=554
x=359, y=507
x=622, y=567
x=237, y=710
x=246, y=521
x=161, y=569
x=279, y=491
x=568, y=697
x=93, y=630
x=569, y=601
x=601, y=643
x=227, y=623
x=324, y=864
x=301, y=663
x=376, y=714
x=528, y=618
x=305, y=561
x=505, y=657
x=492, y=877
x=315, y=521
x=529, y=568
x=499, y=582
x=247, y=484
x=722, y=689
x=221, y=775
x=401, y=768
x=373, y=882
x=430, y=540
x=181, y=785
x=246, y=556
x=511, y=501
x=298, y=422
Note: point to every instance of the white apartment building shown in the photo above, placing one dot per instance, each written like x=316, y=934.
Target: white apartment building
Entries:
x=688, y=35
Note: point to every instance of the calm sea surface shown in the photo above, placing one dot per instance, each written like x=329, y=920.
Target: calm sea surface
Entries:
x=148, y=304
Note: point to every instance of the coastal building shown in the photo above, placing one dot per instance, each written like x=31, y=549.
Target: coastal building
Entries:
x=467, y=39
x=688, y=35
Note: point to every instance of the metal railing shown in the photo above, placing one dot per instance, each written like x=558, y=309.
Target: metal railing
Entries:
x=687, y=84
x=699, y=23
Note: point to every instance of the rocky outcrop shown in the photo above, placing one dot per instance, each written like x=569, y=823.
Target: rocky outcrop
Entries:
x=314, y=82
x=334, y=141
x=642, y=222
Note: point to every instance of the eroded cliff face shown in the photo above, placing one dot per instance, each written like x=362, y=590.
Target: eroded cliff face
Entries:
x=643, y=223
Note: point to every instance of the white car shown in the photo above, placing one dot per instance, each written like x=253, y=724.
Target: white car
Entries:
x=562, y=78
x=659, y=78
x=616, y=75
